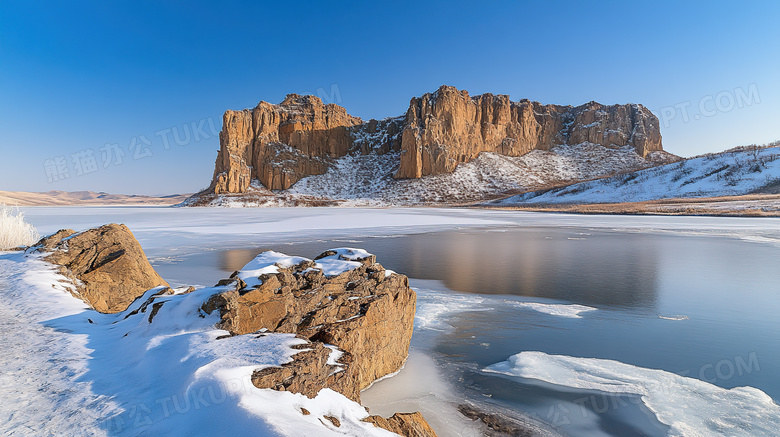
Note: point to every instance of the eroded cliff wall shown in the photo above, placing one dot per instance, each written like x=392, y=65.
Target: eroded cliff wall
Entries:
x=280, y=144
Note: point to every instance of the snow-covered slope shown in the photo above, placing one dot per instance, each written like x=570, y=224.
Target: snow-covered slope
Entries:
x=736, y=172
x=366, y=180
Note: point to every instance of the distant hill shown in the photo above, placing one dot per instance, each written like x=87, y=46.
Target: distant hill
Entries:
x=62, y=198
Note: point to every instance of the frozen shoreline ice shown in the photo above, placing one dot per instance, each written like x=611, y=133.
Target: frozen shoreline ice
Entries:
x=689, y=406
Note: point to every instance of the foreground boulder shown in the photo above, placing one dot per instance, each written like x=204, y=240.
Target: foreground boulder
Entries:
x=106, y=264
x=357, y=316
x=343, y=298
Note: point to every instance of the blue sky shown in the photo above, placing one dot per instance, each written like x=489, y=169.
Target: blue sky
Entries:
x=78, y=76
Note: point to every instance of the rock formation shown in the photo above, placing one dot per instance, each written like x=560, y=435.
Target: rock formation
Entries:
x=405, y=424
x=107, y=265
x=366, y=311
x=357, y=316
x=278, y=145
x=448, y=127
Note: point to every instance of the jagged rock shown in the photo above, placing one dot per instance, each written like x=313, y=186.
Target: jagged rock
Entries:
x=280, y=144
x=367, y=312
x=497, y=424
x=309, y=372
x=405, y=424
x=449, y=127
x=358, y=318
x=107, y=265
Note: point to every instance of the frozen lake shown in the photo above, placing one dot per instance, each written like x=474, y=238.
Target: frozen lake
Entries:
x=595, y=325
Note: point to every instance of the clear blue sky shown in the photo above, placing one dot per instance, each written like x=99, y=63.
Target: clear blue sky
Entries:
x=75, y=76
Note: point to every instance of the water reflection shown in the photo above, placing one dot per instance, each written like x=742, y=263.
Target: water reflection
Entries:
x=591, y=268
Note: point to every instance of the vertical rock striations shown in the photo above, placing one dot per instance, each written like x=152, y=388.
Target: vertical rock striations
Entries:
x=448, y=127
x=280, y=144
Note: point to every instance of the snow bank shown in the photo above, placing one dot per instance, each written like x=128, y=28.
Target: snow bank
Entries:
x=725, y=174
x=689, y=406
x=42, y=385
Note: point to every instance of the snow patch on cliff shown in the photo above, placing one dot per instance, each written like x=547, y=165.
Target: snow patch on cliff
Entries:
x=366, y=180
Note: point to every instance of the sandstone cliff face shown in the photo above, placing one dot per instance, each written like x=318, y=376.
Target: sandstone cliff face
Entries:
x=448, y=127
x=366, y=311
x=280, y=144
x=107, y=265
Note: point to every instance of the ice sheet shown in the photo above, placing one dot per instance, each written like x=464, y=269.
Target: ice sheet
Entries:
x=690, y=407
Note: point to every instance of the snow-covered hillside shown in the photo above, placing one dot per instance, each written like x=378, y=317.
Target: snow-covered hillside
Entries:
x=366, y=180
x=736, y=172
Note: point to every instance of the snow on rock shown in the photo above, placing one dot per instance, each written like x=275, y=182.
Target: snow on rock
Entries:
x=158, y=368
x=332, y=262
x=690, y=407
x=730, y=173
x=367, y=179
x=340, y=260
x=266, y=263
x=342, y=298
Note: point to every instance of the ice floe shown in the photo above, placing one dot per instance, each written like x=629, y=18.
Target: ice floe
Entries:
x=690, y=407
x=572, y=311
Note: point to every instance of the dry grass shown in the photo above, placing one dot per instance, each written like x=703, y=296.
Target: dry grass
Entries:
x=14, y=231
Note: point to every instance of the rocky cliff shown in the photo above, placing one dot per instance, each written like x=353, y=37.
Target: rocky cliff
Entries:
x=446, y=128
x=278, y=145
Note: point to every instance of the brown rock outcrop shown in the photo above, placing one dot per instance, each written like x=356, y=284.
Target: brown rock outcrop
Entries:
x=365, y=312
x=309, y=372
x=449, y=127
x=107, y=265
x=405, y=424
x=280, y=144
x=358, y=318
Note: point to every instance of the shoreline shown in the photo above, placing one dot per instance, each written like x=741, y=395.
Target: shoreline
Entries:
x=750, y=205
